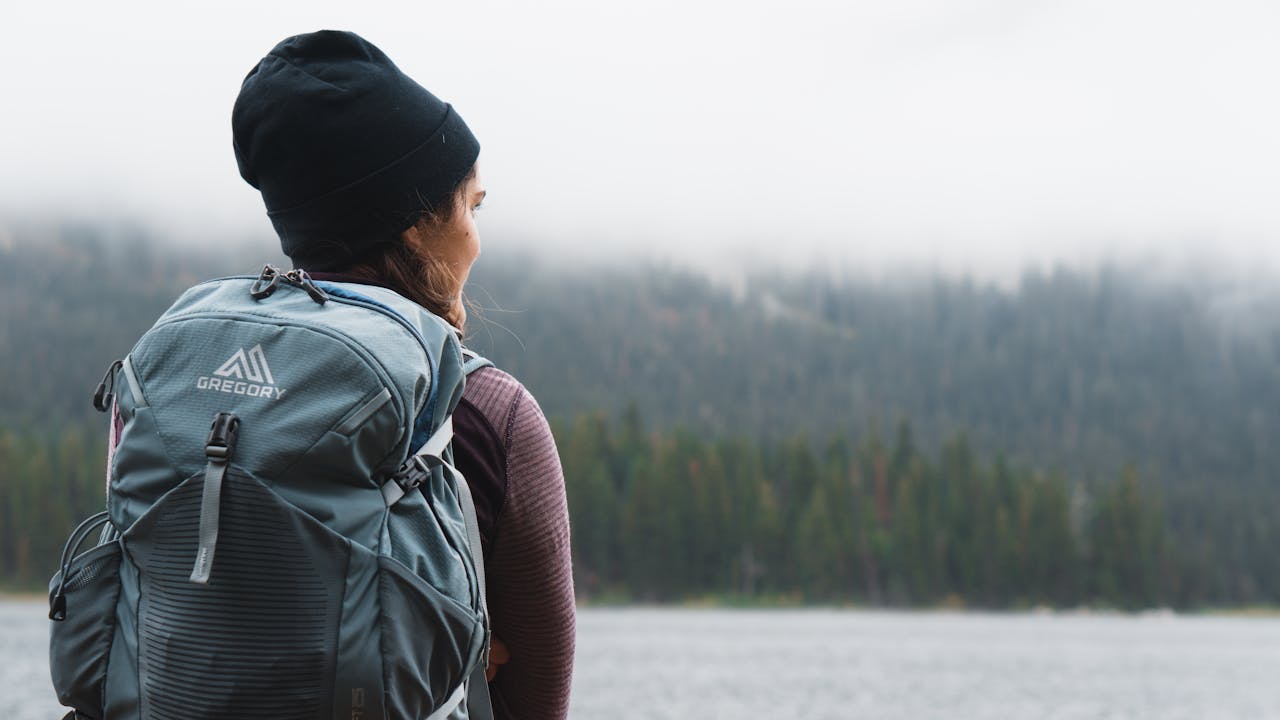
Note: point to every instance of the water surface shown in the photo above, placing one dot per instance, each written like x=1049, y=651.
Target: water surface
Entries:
x=640, y=663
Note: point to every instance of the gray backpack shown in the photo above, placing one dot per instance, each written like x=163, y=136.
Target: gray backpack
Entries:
x=285, y=534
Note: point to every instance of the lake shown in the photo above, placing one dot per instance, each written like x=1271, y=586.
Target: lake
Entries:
x=639, y=663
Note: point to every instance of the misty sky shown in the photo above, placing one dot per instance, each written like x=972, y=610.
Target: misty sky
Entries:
x=934, y=133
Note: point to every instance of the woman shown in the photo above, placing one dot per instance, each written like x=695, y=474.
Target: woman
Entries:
x=369, y=178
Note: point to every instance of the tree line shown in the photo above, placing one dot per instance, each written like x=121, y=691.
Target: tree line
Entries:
x=672, y=515
x=48, y=482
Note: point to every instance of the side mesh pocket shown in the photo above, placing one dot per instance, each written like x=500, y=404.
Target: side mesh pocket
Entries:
x=83, y=610
x=430, y=642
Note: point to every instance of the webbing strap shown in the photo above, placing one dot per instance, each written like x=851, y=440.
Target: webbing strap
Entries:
x=392, y=492
x=473, y=362
x=218, y=448
x=473, y=527
x=210, y=506
x=479, y=704
x=449, y=705
x=439, y=440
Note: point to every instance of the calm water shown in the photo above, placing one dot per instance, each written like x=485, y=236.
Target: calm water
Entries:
x=813, y=664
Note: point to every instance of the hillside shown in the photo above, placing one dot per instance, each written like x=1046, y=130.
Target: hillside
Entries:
x=1084, y=378
x=1078, y=372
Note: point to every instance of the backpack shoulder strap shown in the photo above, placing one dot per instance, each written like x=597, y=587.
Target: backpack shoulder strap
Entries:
x=473, y=361
x=479, y=703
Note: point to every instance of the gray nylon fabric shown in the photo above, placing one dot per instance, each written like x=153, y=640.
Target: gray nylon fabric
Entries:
x=479, y=705
x=473, y=525
x=329, y=397
x=358, y=665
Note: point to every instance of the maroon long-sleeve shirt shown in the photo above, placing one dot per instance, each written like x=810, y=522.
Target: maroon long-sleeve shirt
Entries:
x=504, y=448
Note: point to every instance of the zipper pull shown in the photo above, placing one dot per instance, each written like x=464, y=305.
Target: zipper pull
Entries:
x=58, y=608
x=105, y=393
x=267, y=282
x=300, y=279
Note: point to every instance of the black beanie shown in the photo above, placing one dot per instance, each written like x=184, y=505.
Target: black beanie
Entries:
x=346, y=149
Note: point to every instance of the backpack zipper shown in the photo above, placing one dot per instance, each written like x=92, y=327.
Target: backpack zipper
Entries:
x=381, y=309
x=369, y=304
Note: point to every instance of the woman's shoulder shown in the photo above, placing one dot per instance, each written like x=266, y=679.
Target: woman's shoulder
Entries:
x=506, y=404
x=491, y=381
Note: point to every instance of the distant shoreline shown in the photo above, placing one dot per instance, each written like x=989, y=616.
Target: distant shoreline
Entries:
x=787, y=603
x=1262, y=611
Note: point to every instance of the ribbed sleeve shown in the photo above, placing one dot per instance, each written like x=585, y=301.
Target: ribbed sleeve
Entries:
x=529, y=569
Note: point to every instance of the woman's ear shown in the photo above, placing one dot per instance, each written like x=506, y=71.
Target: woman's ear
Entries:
x=412, y=236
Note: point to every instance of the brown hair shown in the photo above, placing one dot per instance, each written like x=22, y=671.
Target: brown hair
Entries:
x=407, y=266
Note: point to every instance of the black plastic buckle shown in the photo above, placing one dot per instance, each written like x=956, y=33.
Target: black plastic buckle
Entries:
x=105, y=393
x=414, y=472
x=222, y=437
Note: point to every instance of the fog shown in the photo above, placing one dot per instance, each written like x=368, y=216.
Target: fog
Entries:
x=980, y=137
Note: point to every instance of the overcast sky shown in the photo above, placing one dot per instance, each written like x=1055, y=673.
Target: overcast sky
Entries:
x=980, y=135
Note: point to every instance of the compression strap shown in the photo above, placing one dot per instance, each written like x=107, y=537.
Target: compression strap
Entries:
x=218, y=449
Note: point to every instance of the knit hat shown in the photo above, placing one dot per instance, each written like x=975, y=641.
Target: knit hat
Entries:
x=347, y=150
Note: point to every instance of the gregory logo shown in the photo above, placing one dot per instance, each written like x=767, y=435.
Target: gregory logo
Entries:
x=245, y=373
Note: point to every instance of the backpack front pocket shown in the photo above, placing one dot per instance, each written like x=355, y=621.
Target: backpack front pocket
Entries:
x=430, y=642
x=257, y=637
x=83, y=610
